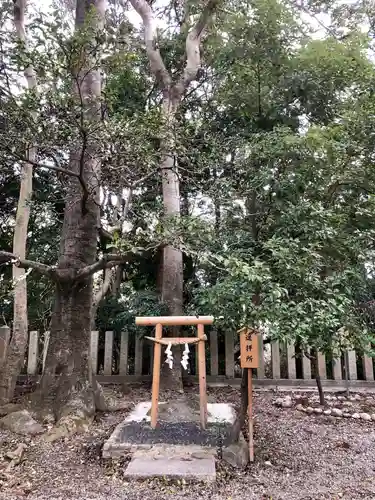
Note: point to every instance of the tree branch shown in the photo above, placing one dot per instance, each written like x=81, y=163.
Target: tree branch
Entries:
x=308, y=355
x=108, y=278
x=142, y=180
x=43, y=269
x=151, y=41
x=79, y=79
x=193, y=40
x=106, y=262
x=108, y=234
x=349, y=183
x=110, y=260
x=35, y=164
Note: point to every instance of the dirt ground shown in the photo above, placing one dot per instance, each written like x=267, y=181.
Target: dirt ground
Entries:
x=298, y=456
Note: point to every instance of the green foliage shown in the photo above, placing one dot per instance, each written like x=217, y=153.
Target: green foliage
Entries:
x=117, y=315
x=274, y=146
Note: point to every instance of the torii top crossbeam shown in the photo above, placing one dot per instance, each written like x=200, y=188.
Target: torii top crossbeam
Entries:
x=174, y=320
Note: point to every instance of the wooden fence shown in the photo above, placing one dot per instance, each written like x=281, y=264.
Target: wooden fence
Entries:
x=119, y=356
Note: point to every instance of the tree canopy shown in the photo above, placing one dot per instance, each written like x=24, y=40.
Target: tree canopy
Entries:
x=270, y=143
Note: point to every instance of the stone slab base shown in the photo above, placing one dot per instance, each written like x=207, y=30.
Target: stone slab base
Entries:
x=180, y=452
x=172, y=468
x=135, y=431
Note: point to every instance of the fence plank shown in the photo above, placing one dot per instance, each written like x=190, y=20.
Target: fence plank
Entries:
x=368, y=369
x=33, y=357
x=229, y=354
x=337, y=371
x=352, y=359
x=32, y=361
x=4, y=341
x=138, y=362
x=94, y=348
x=214, y=353
x=291, y=360
x=45, y=348
x=275, y=359
x=108, y=353
x=322, y=368
x=260, y=369
x=306, y=368
x=124, y=352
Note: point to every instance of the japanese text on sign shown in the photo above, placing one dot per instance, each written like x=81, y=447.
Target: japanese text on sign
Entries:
x=249, y=348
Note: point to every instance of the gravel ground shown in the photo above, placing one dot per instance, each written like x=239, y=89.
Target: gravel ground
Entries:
x=298, y=456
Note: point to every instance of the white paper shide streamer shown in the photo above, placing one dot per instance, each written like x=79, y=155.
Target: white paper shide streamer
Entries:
x=185, y=357
x=169, y=354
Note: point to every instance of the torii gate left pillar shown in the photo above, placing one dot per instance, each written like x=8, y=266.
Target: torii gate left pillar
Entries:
x=159, y=340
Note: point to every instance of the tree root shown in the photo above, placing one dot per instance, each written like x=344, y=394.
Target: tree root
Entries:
x=108, y=404
x=79, y=421
x=68, y=426
x=9, y=408
x=15, y=456
x=99, y=398
x=74, y=410
x=72, y=416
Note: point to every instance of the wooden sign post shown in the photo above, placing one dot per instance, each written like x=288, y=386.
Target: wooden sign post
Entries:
x=159, y=340
x=249, y=360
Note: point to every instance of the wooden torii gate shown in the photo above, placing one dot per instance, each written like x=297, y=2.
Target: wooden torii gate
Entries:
x=159, y=340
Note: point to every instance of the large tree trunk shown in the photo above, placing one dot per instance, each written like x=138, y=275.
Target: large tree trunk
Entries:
x=66, y=383
x=172, y=277
x=67, y=386
x=313, y=357
x=173, y=92
x=172, y=260
x=16, y=351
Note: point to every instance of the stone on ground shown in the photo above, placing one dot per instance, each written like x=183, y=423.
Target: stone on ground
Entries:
x=179, y=410
x=194, y=469
x=21, y=422
x=287, y=403
x=237, y=454
x=365, y=416
x=336, y=412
